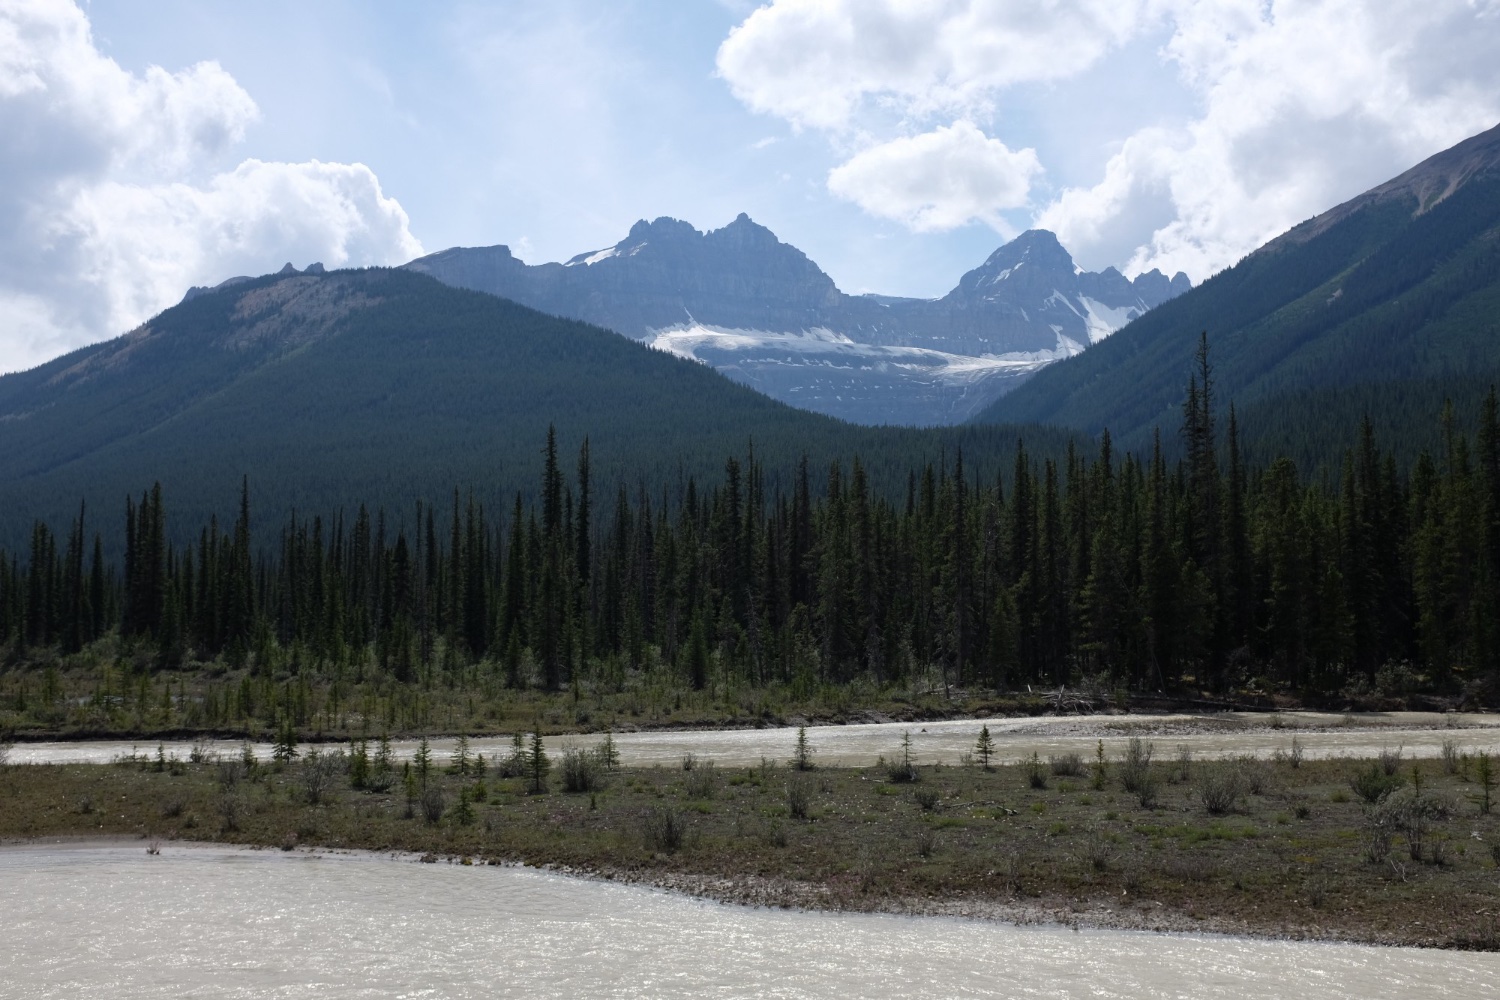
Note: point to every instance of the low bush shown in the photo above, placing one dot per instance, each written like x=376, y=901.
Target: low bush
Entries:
x=1066, y=765
x=580, y=771
x=702, y=782
x=433, y=802
x=1219, y=789
x=318, y=773
x=1135, y=768
x=1374, y=783
x=798, y=798
x=1036, y=773
x=663, y=829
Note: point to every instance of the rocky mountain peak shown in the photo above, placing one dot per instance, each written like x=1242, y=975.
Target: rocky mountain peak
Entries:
x=1034, y=256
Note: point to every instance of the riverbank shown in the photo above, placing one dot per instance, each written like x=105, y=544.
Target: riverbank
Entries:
x=1289, y=855
x=108, y=693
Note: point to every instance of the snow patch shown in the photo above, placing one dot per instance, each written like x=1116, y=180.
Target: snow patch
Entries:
x=1103, y=320
x=820, y=347
x=595, y=257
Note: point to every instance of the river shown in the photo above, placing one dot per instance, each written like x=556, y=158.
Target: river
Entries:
x=1419, y=734
x=110, y=921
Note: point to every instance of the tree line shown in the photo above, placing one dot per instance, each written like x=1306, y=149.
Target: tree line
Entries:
x=1202, y=573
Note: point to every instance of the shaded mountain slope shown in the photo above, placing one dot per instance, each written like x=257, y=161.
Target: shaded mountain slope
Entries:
x=387, y=386
x=1401, y=283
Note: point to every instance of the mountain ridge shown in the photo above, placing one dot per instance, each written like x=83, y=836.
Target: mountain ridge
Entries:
x=764, y=313
x=1399, y=283
x=387, y=387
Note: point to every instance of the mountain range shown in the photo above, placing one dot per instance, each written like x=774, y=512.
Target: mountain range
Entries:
x=761, y=312
x=1385, y=306
x=387, y=387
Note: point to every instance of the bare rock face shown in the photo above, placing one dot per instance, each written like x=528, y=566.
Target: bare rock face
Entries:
x=760, y=311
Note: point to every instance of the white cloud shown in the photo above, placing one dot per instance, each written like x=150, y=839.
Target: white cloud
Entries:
x=938, y=180
x=1298, y=105
x=818, y=62
x=113, y=196
x=139, y=242
x=1305, y=103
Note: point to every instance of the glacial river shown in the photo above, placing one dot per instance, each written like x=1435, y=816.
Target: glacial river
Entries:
x=1210, y=736
x=109, y=921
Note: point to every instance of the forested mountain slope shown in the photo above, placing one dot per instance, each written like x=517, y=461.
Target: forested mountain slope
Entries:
x=1393, y=296
x=387, y=386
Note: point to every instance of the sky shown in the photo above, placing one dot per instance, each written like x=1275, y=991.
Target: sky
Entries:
x=151, y=145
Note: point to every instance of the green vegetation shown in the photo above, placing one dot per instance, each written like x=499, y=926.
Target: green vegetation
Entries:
x=1386, y=312
x=387, y=387
x=736, y=602
x=1291, y=858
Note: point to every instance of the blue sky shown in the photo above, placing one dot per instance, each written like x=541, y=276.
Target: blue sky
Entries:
x=166, y=143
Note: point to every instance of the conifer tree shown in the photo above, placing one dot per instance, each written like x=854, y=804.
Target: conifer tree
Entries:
x=537, y=762
x=802, y=753
x=984, y=747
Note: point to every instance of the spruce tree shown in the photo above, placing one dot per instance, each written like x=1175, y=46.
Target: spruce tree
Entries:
x=537, y=763
x=802, y=752
x=984, y=747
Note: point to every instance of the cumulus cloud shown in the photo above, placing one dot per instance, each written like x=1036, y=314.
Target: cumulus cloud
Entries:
x=816, y=62
x=938, y=180
x=1299, y=104
x=1305, y=104
x=111, y=198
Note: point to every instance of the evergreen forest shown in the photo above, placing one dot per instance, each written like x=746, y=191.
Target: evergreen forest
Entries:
x=1204, y=576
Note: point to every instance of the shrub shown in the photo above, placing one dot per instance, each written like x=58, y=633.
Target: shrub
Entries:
x=798, y=798
x=927, y=798
x=1414, y=814
x=903, y=768
x=580, y=771
x=318, y=773
x=1066, y=765
x=514, y=764
x=663, y=829
x=1374, y=783
x=1291, y=756
x=1098, y=848
x=227, y=773
x=170, y=809
x=926, y=842
x=703, y=781
x=1218, y=789
x=229, y=810
x=1253, y=772
x=1390, y=762
x=1036, y=774
x=689, y=761
x=1147, y=786
x=1135, y=768
x=433, y=802
x=1379, y=831
x=1182, y=767
x=1450, y=757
